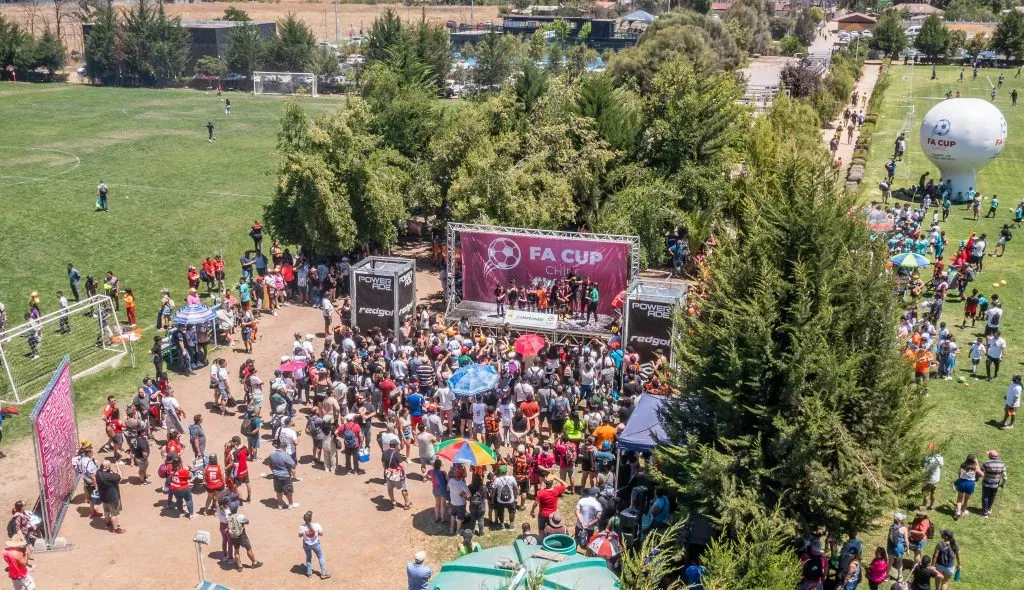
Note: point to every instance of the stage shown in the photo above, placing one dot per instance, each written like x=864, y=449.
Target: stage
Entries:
x=569, y=330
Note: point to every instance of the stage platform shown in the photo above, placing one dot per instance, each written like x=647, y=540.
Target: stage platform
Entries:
x=570, y=330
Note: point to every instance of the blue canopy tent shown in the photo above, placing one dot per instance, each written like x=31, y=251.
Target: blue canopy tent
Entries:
x=645, y=427
x=198, y=315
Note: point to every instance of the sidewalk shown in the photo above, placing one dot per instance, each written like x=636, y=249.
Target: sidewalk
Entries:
x=864, y=87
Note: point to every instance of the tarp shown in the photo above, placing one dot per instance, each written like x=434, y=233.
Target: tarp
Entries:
x=639, y=16
x=645, y=425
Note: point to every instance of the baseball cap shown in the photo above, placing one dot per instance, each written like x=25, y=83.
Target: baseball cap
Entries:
x=420, y=556
x=993, y=454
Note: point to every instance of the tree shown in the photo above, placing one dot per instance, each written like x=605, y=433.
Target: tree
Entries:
x=647, y=207
x=756, y=556
x=170, y=47
x=806, y=27
x=797, y=392
x=13, y=44
x=101, y=45
x=291, y=50
x=324, y=63
x=699, y=6
x=387, y=32
x=531, y=84
x=49, y=53
x=1009, y=36
x=933, y=39
x=247, y=49
x=493, y=60
x=433, y=47
x=801, y=80
x=791, y=45
x=690, y=117
x=888, y=34
x=616, y=111
x=977, y=44
x=235, y=14
x=957, y=40
x=211, y=66
x=704, y=40
x=136, y=38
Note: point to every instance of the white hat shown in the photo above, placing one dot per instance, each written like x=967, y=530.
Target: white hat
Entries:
x=521, y=449
x=285, y=359
x=309, y=336
x=420, y=556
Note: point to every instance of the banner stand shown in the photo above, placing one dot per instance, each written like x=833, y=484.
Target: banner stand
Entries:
x=55, y=438
x=383, y=293
x=647, y=315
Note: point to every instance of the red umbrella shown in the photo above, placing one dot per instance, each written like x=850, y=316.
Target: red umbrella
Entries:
x=605, y=544
x=292, y=366
x=619, y=300
x=530, y=344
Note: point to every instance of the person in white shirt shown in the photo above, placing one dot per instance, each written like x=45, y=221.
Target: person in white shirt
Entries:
x=994, y=356
x=62, y=305
x=307, y=346
x=978, y=350
x=288, y=438
x=588, y=512
x=1012, y=403
x=327, y=308
x=933, y=468
x=310, y=532
x=445, y=399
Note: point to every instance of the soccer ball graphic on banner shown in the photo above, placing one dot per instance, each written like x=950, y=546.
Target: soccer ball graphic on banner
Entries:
x=960, y=136
x=503, y=254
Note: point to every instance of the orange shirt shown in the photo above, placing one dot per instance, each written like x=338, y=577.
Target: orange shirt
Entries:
x=530, y=409
x=214, y=477
x=923, y=362
x=605, y=432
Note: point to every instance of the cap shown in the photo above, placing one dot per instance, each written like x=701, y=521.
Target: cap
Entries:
x=502, y=469
x=594, y=492
x=236, y=439
x=521, y=449
x=420, y=556
x=349, y=417
x=555, y=519
x=309, y=336
x=467, y=533
x=899, y=517
x=993, y=454
x=606, y=446
x=86, y=444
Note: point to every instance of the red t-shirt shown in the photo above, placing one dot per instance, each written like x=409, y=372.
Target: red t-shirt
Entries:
x=180, y=479
x=386, y=386
x=530, y=409
x=108, y=410
x=15, y=570
x=242, y=459
x=547, y=500
x=174, y=446
x=214, y=477
x=287, y=273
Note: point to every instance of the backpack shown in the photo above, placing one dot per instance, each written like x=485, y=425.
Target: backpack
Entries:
x=247, y=426
x=235, y=528
x=919, y=531
x=505, y=494
x=570, y=454
x=12, y=527
x=945, y=555
x=561, y=411
x=348, y=436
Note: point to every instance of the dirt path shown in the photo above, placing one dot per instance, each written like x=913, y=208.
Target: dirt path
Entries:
x=864, y=87
x=366, y=544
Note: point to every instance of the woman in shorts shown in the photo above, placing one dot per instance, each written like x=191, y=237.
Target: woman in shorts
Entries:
x=439, y=487
x=969, y=472
x=946, y=557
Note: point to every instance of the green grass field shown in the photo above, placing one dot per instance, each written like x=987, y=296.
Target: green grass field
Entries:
x=174, y=197
x=963, y=416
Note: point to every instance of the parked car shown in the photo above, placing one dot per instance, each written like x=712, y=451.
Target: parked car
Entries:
x=866, y=34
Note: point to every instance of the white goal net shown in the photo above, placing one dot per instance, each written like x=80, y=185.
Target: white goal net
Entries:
x=287, y=83
x=88, y=332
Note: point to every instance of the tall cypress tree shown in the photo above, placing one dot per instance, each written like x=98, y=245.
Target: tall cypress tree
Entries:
x=795, y=390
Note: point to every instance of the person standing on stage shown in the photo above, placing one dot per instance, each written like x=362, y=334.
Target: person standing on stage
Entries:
x=513, y=294
x=592, y=299
x=499, y=298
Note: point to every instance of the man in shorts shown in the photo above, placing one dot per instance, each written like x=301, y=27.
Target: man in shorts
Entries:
x=1013, y=395
x=282, y=470
x=241, y=466
x=239, y=538
x=394, y=473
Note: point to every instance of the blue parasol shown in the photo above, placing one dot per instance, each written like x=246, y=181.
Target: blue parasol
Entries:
x=473, y=379
x=194, y=314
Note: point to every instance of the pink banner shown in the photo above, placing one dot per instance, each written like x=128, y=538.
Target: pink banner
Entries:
x=56, y=445
x=492, y=258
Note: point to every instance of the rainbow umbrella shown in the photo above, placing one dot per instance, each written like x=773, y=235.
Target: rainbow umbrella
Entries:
x=909, y=260
x=471, y=452
x=530, y=344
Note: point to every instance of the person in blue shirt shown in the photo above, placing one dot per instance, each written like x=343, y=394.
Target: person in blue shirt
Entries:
x=418, y=573
x=415, y=401
x=659, y=510
x=693, y=575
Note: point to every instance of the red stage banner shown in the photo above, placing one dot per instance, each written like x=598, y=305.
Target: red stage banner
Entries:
x=492, y=258
x=56, y=442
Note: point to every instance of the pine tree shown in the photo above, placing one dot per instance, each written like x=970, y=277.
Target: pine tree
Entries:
x=794, y=384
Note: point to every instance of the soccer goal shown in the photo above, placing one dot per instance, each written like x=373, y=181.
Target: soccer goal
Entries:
x=88, y=332
x=287, y=83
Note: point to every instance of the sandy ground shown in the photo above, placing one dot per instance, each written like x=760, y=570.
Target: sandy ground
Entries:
x=366, y=542
x=354, y=19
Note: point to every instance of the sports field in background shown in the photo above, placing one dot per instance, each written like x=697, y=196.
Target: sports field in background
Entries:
x=174, y=197
x=963, y=416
